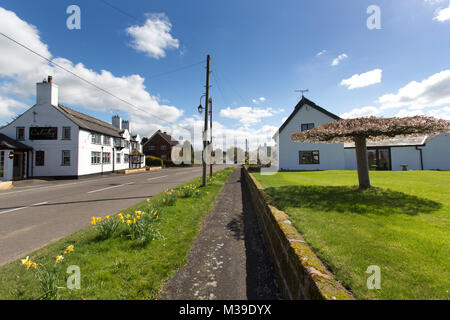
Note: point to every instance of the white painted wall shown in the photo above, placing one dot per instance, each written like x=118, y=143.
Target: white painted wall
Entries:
x=331, y=155
x=436, y=153
x=405, y=155
x=44, y=115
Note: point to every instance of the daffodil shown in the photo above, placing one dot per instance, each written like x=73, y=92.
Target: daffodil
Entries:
x=129, y=222
x=107, y=217
x=59, y=259
x=70, y=248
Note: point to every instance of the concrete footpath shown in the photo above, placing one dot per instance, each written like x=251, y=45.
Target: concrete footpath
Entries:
x=228, y=259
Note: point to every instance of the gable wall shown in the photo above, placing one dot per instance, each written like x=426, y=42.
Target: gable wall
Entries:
x=331, y=155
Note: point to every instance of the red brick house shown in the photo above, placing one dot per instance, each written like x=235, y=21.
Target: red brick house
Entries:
x=160, y=145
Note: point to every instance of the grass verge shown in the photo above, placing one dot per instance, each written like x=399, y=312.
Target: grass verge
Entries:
x=401, y=225
x=120, y=268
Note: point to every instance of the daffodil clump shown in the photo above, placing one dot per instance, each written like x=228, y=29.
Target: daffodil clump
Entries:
x=168, y=198
x=189, y=190
x=48, y=275
x=137, y=226
x=106, y=227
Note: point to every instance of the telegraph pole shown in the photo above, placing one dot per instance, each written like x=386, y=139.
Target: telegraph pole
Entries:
x=210, y=139
x=208, y=58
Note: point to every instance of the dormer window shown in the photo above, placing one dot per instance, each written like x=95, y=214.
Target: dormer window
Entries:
x=307, y=126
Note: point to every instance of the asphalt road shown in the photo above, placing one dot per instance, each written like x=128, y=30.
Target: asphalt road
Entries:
x=33, y=216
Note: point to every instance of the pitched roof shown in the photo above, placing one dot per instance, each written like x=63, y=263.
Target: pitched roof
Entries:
x=166, y=137
x=89, y=123
x=302, y=102
x=6, y=143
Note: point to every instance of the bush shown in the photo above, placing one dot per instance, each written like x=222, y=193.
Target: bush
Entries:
x=152, y=161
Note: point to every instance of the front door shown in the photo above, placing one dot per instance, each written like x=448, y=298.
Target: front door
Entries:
x=18, y=166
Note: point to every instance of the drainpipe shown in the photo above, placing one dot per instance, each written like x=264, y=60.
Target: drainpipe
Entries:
x=421, y=157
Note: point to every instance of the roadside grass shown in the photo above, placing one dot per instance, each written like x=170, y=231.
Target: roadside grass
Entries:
x=401, y=225
x=119, y=268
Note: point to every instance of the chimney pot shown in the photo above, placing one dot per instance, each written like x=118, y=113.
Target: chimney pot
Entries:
x=50, y=79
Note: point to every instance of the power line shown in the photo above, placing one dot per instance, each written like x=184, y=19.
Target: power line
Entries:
x=120, y=10
x=89, y=82
x=219, y=87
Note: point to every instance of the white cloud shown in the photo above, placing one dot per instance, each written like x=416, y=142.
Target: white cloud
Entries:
x=9, y=107
x=153, y=38
x=248, y=115
x=20, y=70
x=431, y=92
x=361, y=112
x=338, y=60
x=258, y=100
x=442, y=14
x=321, y=53
x=363, y=79
x=442, y=113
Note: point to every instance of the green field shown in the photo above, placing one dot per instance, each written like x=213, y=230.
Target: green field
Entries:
x=401, y=225
x=118, y=267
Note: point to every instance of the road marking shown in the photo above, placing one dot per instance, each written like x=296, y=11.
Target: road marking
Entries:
x=20, y=208
x=156, y=178
x=107, y=188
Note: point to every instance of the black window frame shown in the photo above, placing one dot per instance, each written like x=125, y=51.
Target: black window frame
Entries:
x=307, y=126
x=63, y=163
x=23, y=133
x=104, y=158
x=38, y=163
x=312, y=155
x=63, y=134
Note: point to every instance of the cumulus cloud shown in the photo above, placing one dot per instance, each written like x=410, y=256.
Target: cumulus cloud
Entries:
x=321, y=53
x=258, y=100
x=338, y=60
x=442, y=14
x=363, y=79
x=431, y=92
x=361, y=112
x=248, y=115
x=153, y=38
x=442, y=113
x=20, y=70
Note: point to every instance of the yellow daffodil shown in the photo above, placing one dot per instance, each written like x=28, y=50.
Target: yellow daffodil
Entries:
x=107, y=217
x=59, y=258
x=98, y=219
x=93, y=222
x=34, y=265
x=128, y=215
x=129, y=222
x=70, y=248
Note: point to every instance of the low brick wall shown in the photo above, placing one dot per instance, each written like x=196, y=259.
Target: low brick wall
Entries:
x=300, y=273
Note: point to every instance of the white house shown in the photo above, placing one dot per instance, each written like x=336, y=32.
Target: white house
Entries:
x=52, y=140
x=431, y=152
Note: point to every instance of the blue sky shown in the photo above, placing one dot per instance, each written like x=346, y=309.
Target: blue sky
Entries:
x=262, y=51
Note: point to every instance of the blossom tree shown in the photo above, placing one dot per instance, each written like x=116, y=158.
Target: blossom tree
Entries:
x=359, y=130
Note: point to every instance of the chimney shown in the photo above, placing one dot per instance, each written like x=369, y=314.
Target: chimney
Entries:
x=126, y=125
x=117, y=122
x=47, y=92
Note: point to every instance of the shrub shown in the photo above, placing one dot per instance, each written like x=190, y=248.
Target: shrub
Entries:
x=152, y=161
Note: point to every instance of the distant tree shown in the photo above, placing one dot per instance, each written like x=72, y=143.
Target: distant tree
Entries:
x=360, y=129
x=144, y=140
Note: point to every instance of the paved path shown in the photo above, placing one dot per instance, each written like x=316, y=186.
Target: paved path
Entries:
x=41, y=212
x=228, y=260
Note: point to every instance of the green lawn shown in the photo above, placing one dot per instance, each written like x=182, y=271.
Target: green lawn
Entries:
x=402, y=225
x=120, y=268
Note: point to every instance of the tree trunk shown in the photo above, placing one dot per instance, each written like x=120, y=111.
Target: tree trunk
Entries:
x=361, y=162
